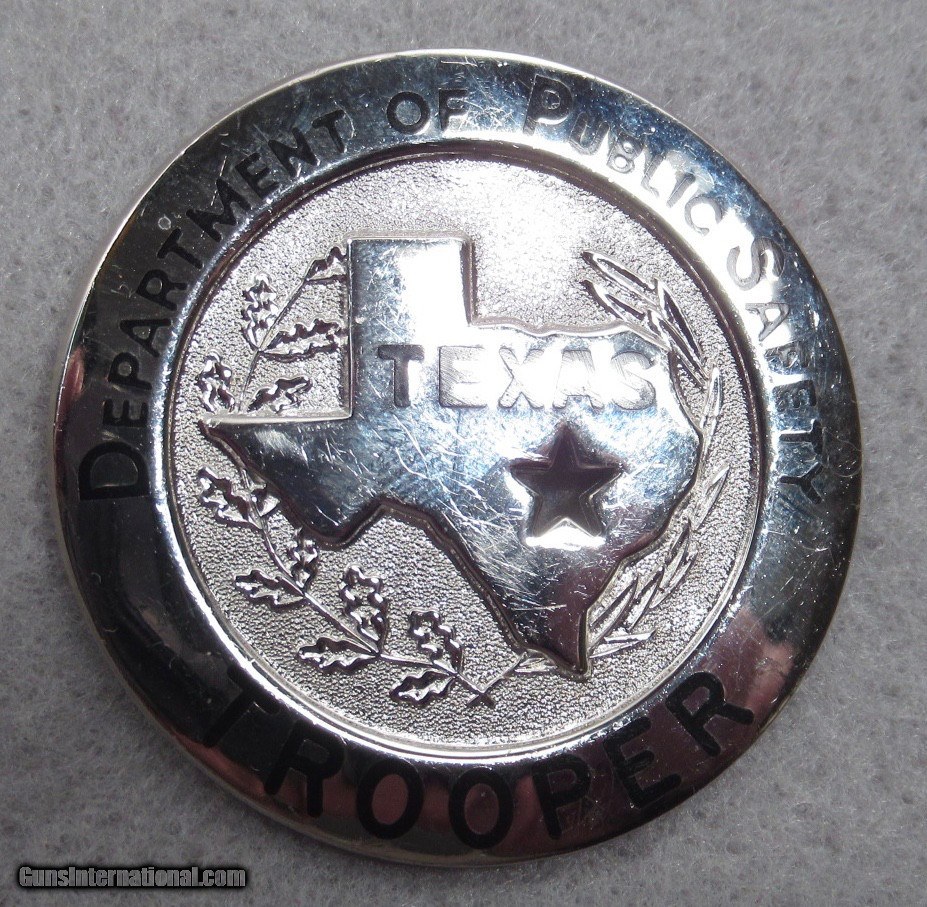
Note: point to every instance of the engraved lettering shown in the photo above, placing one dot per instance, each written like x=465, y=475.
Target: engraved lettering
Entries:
x=586, y=136
x=798, y=395
x=632, y=390
x=548, y=376
x=577, y=379
x=124, y=371
x=772, y=314
x=172, y=246
x=112, y=470
x=805, y=481
x=451, y=103
x=143, y=331
x=623, y=153
x=714, y=705
x=293, y=157
x=522, y=373
x=312, y=753
x=699, y=203
x=765, y=262
x=560, y=782
x=401, y=354
x=628, y=767
x=653, y=164
x=414, y=798
x=256, y=178
x=156, y=286
x=208, y=221
x=550, y=103
x=789, y=358
x=683, y=181
x=408, y=113
x=813, y=436
x=251, y=695
x=460, y=373
x=329, y=122
x=128, y=416
x=457, y=808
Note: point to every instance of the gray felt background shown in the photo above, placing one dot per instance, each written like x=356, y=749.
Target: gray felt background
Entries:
x=823, y=107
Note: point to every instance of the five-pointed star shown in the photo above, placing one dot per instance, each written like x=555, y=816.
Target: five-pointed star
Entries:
x=563, y=486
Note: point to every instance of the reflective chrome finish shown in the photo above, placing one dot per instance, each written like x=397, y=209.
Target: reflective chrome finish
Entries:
x=457, y=456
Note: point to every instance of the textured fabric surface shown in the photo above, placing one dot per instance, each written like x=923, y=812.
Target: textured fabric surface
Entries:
x=821, y=104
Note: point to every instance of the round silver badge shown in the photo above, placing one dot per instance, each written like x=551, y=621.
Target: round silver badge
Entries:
x=457, y=457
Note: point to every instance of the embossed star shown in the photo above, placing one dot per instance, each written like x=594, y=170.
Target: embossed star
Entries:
x=563, y=486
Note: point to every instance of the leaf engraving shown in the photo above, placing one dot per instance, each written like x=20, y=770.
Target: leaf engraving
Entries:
x=260, y=312
x=618, y=642
x=214, y=383
x=283, y=394
x=711, y=495
x=304, y=560
x=436, y=640
x=365, y=604
x=711, y=410
x=335, y=655
x=533, y=664
x=648, y=309
x=421, y=687
x=278, y=592
x=330, y=269
x=228, y=503
x=304, y=341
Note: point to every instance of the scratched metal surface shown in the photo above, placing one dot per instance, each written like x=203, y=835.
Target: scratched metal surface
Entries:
x=827, y=804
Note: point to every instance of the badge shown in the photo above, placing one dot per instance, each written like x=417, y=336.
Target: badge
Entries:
x=457, y=457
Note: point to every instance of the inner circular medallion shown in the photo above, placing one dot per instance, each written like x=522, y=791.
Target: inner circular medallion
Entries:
x=462, y=454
